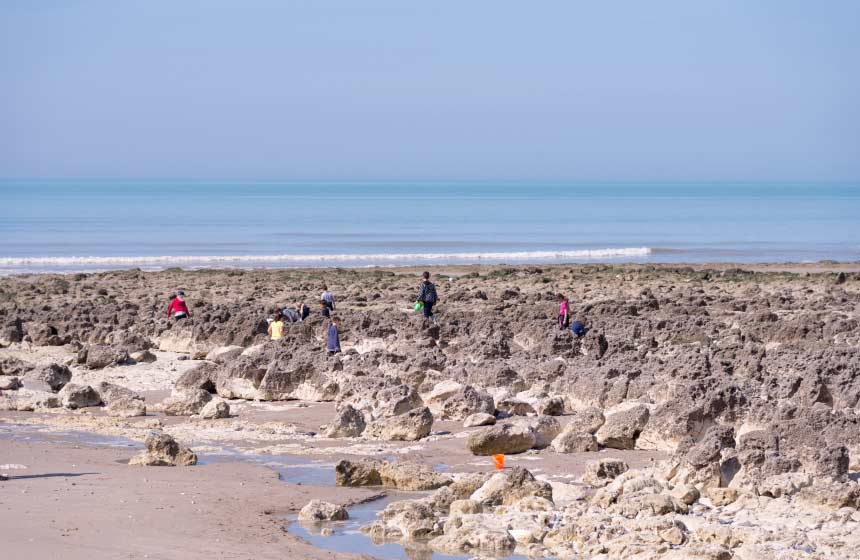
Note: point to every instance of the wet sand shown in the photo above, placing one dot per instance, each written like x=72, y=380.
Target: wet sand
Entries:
x=76, y=502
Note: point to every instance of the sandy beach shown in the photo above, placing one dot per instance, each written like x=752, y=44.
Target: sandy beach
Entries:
x=686, y=373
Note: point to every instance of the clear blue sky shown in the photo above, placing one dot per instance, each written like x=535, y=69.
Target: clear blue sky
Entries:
x=363, y=90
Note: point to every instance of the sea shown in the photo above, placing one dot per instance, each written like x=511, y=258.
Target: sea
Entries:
x=71, y=226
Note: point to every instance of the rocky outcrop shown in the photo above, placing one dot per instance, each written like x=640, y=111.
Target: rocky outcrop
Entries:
x=318, y=510
x=450, y=400
x=163, y=451
x=202, y=377
x=409, y=426
x=571, y=440
x=185, y=403
x=396, y=475
x=224, y=354
x=125, y=408
x=502, y=438
x=74, y=396
x=55, y=376
x=509, y=486
x=98, y=356
x=215, y=409
x=347, y=422
x=603, y=471
x=621, y=429
x=479, y=419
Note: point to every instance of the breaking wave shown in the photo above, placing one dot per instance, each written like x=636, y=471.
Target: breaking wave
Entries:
x=327, y=259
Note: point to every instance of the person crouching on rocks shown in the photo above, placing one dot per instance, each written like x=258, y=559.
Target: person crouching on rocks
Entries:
x=427, y=296
x=324, y=308
x=563, y=312
x=276, y=327
x=333, y=337
x=178, y=307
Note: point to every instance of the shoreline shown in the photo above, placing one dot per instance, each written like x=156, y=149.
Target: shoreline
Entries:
x=817, y=267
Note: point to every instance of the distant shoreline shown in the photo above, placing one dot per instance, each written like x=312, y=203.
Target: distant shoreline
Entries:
x=819, y=267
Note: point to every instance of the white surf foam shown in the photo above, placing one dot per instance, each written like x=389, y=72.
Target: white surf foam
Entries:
x=381, y=258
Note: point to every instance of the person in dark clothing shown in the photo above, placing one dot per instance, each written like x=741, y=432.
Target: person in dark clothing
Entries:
x=324, y=309
x=427, y=296
x=333, y=337
x=304, y=311
x=290, y=315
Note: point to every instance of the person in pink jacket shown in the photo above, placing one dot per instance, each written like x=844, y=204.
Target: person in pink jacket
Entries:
x=178, y=308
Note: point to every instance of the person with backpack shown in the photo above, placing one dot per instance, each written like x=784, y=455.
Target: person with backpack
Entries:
x=427, y=296
x=328, y=298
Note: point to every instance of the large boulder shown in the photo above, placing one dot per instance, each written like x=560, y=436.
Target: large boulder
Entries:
x=544, y=428
x=14, y=366
x=347, y=422
x=364, y=472
x=163, y=451
x=409, y=426
x=551, y=406
x=143, y=357
x=404, y=475
x=463, y=536
x=408, y=520
x=453, y=401
x=603, y=471
x=512, y=406
x=74, y=396
x=215, y=409
x=98, y=356
x=110, y=392
x=504, y=438
x=126, y=408
x=587, y=420
x=479, y=419
x=509, y=486
x=318, y=510
x=9, y=383
x=202, y=376
x=185, y=403
x=409, y=476
x=571, y=440
x=622, y=428
x=54, y=375
x=223, y=354
x=396, y=400
x=29, y=400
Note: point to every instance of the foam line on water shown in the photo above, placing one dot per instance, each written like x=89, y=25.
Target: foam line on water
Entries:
x=610, y=253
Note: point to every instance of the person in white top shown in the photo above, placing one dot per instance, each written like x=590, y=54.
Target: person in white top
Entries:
x=327, y=297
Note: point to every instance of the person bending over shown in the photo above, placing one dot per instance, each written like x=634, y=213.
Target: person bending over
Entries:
x=178, y=307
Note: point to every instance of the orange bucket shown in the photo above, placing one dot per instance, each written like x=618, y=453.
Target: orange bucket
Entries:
x=499, y=461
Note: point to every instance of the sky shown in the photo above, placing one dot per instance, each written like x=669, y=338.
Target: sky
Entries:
x=664, y=90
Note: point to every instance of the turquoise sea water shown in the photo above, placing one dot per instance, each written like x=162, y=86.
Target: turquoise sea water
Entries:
x=77, y=225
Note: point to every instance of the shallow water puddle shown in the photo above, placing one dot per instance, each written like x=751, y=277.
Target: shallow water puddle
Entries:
x=17, y=432
x=344, y=536
x=290, y=468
